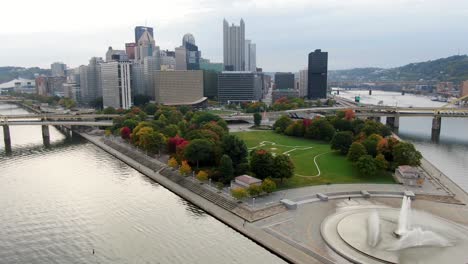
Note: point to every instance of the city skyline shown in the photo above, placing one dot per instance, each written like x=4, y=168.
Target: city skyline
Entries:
x=284, y=31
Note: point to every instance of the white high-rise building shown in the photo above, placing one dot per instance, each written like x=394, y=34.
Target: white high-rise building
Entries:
x=303, y=76
x=250, y=56
x=234, y=46
x=116, y=84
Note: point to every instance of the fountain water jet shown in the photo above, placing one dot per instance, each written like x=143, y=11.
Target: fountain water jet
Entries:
x=373, y=229
x=403, y=219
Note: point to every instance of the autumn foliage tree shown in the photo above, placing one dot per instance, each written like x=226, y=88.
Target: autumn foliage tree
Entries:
x=185, y=168
x=125, y=133
x=349, y=114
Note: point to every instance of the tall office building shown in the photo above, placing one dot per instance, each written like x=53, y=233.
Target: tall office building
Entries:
x=138, y=79
x=303, y=74
x=150, y=66
x=206, y=64
x=167, y=60
x=130, y=50
x=234, y=46
x=464, y=89
x=317, y=75
x=145, y=46
x=116, y=84
x=90, y=80
x=58, y=69
x=284, y=80
x=192, y=53
x=181, y=59
x=250, y=56
x=239, y=86
x=139, y=30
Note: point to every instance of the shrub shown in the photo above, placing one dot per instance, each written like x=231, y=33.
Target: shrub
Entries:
x=185, y=168
x=268, y=185
x=366, y=166
x=202, y=176
x=172, y=162
x=255, y=190
x=239, y=193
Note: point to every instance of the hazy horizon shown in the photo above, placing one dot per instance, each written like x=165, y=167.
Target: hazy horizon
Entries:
x=356, y=33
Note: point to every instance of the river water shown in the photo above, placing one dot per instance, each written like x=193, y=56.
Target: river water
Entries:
x=60, y=203
x=450, y=154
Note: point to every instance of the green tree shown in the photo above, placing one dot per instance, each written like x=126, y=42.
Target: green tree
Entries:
x=130, y=123
x=254, y=190
x=296, y=129
x=150, y=108
x=261, y=163
x=405, y=153
x=175, y=117
x=356, y=151
x=366, y=166
x=268, y=185
x=370, y=143
x=171, y=130
x=257, y=118
x=282, y=123
x=320, y=129
x=342, y=141
x=199, y=150
x=140, y=99
x=226, y=169
x=239, y=193
x=381, y=162
x=282, y=167
x=110, y=111
x=235, y=148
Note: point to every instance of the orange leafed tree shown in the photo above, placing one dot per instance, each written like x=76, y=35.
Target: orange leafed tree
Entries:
x=349, y=114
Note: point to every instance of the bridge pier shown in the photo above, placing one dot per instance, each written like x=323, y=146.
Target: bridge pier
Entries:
x=7, y=138
x=393, y=122
x=370, y=91
x=337, y=92
x=45, y=134
x=436, y=126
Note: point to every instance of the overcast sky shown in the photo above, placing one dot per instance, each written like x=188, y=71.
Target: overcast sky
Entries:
x=356, y=33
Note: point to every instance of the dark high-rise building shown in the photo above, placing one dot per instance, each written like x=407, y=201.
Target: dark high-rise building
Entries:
x=317, y=75
x=239, y=86
x=139, y=30
x=284, y=80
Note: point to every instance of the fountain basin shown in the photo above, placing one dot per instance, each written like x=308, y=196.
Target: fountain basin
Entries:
x=347, y=233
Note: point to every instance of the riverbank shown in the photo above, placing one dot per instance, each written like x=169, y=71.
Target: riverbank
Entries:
x=270, y=242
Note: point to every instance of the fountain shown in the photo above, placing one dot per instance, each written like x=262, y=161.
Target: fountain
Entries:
x=389, y=235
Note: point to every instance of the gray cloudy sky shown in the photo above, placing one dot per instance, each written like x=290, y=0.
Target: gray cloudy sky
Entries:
x=356, y=33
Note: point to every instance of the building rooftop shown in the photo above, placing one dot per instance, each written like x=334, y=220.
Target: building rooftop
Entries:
x=248, y=179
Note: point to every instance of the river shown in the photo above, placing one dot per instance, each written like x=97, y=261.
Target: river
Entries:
x=60, y=203
x=449, y=154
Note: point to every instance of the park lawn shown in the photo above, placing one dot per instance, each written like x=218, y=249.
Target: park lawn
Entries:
x=334, y=168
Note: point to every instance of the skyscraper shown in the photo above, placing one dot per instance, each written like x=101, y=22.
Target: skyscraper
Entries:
x=130, y=50
x=234, y=46
x=58, y=69
x=317, y=75
x=303, y=74
x=239, y=86
x=250, y=56
x=90, y=80
x=139, y=30
x=284, y=80
x=181, y=59
x=145, y=46
x=116, y=55
x=116, y=84
x=191, y=52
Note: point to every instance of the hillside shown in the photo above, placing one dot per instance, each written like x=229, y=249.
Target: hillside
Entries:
x=9, y=73
x=454, y=68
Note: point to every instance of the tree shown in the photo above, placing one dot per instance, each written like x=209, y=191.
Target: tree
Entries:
x=213, y=126
x=150, y=108
x=201, y=118
x=261, y=163
x=96, y=103
x=199, y=150
x=171, y=130
x=366, y=166
x=173, y=142
x=370, y=143
x=342, y=141
x=172, y=162
x=125, y=132
x=254, y=190
x=281, y=124
x=268, y=185
x=130, y=123
x=239, y=193
x=349, y=114
x=320, y=129
x=235, y=148
x=226, y=169
x=175, y=117
x=110, y=111
x=356, y=151
x=381, y=162
x=185, y=168
x=156, y=141
x=282, y=167
x=296, y=129
x=257, y=118
x=405, y=153
x=202, y=176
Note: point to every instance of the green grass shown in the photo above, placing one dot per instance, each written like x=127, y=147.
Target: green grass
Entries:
x=335, y=168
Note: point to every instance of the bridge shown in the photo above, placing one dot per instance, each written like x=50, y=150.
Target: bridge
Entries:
x=64, y=122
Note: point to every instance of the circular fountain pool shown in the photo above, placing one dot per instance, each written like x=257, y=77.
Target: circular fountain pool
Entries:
x=360, y=237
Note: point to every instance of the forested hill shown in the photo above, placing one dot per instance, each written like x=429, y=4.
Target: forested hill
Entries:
x=9, y=73
x=454, y=68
